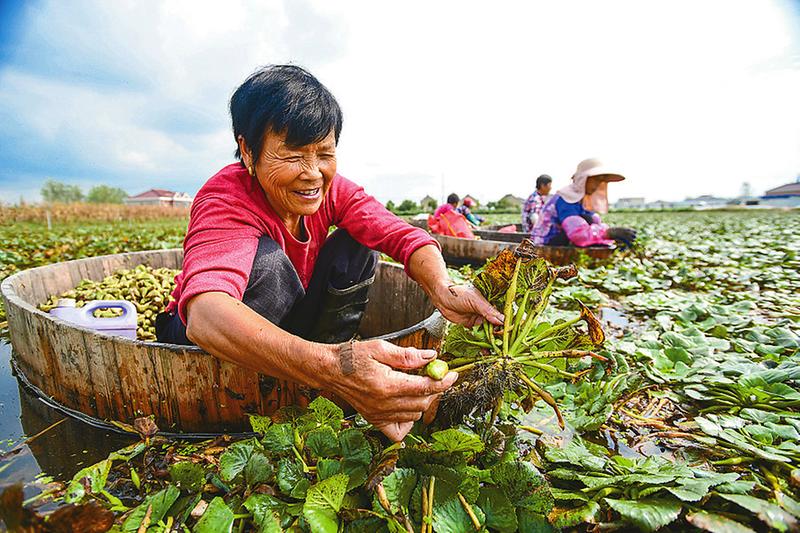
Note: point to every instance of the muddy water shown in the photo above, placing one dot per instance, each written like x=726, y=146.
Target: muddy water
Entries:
x=615, y=323
x=59, y=452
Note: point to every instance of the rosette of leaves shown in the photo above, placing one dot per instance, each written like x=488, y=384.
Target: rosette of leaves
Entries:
x=614, y=492
x=456, y=481
x=528, y=352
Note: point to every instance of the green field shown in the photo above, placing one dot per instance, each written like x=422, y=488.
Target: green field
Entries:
x=698, y=426
x=27, y=244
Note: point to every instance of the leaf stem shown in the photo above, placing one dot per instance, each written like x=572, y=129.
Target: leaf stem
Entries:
x=424, y=526
x=489, y=332
x=551, y=369
x=431, y=486
x=518, y=317
x=508, y=311
x=468, y=508
x=463, y=368
x=382, y=499
x=546, y=396
x=299, y=456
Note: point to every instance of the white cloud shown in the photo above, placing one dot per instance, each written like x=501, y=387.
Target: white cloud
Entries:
x=685, y=98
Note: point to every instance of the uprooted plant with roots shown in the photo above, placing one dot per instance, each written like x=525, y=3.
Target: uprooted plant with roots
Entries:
x=514, y=362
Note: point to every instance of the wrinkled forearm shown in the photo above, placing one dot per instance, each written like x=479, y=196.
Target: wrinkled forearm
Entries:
x=426, y=266
x=230, y=330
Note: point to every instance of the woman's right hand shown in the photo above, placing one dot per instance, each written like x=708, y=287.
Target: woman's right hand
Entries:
x=367, y=378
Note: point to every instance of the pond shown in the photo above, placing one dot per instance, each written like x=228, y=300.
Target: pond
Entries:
x=59, y=451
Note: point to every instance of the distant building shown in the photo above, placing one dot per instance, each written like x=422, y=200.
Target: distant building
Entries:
x=160, y=197
x=471, y=198
x=705, y=201
x=630, y=203
x=660, y=204
x=784, y=196
x=428, y=203
x=510, y=199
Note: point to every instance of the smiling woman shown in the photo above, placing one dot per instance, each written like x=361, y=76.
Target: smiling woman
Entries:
x=264, y=284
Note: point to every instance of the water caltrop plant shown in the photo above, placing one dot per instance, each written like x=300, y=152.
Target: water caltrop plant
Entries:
x=516, y=361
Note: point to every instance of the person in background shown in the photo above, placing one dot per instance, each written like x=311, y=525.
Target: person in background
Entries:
x=468, y=202
x=571, y=215
x=446, y=220
x=535, y=202
x=452, y=203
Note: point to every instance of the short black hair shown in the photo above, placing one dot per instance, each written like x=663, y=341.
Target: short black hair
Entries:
x=283, y=99
x=543, y=180
x=452, y=198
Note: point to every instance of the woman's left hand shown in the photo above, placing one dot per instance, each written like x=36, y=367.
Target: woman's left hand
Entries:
x=464, y=305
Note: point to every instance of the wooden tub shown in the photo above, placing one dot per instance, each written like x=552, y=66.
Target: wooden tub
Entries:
x=186, y=389
x=475, y=252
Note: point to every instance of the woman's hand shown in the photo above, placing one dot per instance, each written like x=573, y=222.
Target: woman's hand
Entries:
x=626, y=236
x=461, y=304
x=392, y=401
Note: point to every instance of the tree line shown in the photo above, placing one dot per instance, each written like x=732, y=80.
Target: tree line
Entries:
x=57, y=192
x=410, y=207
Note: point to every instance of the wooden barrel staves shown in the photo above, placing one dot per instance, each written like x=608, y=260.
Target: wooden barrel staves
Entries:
x=184, y=388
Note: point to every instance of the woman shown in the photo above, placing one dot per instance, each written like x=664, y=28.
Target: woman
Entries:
x=450, y=205
x=570, y=216
x=265, y=287
x=464, y=209
x=446, y=220
x=535, y=202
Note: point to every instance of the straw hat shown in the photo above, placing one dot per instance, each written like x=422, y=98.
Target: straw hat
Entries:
x=575, y=191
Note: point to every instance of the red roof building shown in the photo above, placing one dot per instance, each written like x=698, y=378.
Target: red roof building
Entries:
x=160, y=197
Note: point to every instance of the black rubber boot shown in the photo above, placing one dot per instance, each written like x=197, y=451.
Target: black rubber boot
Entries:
x=337, y=293
x=341, y=313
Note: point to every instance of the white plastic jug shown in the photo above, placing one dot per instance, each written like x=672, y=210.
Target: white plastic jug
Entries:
x=123, y=325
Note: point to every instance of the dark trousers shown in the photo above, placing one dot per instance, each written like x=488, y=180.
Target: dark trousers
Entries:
x=329, y=310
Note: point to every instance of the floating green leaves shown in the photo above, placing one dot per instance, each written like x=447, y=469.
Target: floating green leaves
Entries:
x=187, y=476
x=646, y=514
x=218, y=518
x=153, y=508
x=323, y=502
x=90, y=480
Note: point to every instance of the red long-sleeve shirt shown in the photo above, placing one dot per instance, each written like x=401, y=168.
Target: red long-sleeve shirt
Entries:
x=231, y=212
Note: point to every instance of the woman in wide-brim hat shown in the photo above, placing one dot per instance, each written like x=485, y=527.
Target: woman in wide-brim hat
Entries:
x=572, y=215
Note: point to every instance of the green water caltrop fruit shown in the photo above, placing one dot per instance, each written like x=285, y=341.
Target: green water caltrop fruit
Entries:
x=437, y=369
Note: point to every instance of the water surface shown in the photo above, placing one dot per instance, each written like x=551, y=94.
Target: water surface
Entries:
x=59, y=452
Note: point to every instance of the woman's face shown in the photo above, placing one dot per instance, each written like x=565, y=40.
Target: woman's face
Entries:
x=592, y=184
x=295, y=179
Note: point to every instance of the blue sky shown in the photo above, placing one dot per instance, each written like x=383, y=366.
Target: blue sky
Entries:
x=685, y=98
